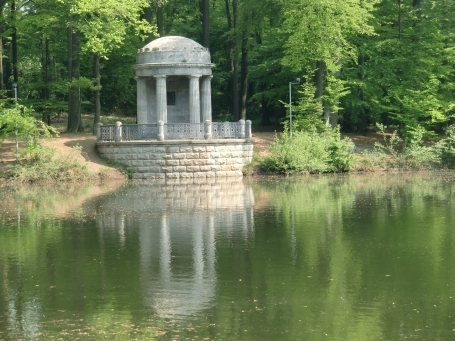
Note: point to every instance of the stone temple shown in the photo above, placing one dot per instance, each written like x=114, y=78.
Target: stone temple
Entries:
x=175, y=136
x=173, y=82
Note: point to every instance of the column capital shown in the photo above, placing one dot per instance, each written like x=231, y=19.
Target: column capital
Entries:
x=160, y=76
x=194, y=76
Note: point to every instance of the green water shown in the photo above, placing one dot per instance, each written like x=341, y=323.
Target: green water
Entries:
x=331, y=258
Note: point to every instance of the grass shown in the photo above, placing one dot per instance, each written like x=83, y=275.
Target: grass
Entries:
x=120, y=166
x=42, y=164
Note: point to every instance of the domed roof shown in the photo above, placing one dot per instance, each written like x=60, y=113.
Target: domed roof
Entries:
x=173, y=49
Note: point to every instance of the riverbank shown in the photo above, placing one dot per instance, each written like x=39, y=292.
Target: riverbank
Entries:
x=86, y=154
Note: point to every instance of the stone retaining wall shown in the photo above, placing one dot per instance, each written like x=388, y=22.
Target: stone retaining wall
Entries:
x=181, y=159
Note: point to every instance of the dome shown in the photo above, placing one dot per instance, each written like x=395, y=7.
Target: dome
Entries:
x=173, y=50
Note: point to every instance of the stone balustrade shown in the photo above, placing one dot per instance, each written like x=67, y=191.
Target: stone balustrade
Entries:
x=119, y=132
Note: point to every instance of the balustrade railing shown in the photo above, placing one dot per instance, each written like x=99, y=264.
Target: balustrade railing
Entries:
x=179, y=131
x=173, y=131
x=132, y=132
x=222, y=130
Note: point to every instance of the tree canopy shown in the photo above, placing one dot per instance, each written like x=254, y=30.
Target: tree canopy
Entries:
x=361, y=61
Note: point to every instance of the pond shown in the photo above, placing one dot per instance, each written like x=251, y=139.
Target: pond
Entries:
x=328, y=258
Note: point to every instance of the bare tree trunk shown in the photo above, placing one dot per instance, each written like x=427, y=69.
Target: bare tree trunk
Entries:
x=244, y=78
x=234, y=81
x=14, y=44
x=265, y=113
x=2, y=84
x=399, y=19
x=160, y=20
x=205, y=24
x=362, y=124
x=74, y=108
x=45, y=72
x=148, y=15
x=320, y=71
x=97, y=91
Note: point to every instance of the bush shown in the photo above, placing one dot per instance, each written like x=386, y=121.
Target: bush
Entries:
x=393, y=153
x=310, y=152
x=447, y=148
x=41, y=164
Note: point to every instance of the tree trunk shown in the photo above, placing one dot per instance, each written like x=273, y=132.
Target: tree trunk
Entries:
x=244, y=78
x=97, y=92
x=148, y=16
x=205, y=24
x=14, y=44
x=362, y=122
x=160, y=20
x=320, y=67
x=265, y=113
x=2, y=84
x=234, y=81
x=399, y=19
x=320, y=71
x=45, y=71
x=74, y=108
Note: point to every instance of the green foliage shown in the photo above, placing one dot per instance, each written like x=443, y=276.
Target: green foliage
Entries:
x=42, y=165
x=105, y=23
x=407, y=70
x=446, y=147
x=18, y=121
x=121, y=167
x=310, y=152
x=393, y=153
x=306, y=115
x=388, y=62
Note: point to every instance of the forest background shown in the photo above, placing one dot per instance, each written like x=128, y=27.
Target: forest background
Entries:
x=361, y=62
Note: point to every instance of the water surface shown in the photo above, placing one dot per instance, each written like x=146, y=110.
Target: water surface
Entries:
x=330, y=258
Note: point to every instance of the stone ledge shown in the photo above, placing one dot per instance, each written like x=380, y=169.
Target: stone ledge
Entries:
x=181, y=159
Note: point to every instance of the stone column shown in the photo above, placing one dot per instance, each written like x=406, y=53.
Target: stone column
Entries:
x=248, y=134
x=161, y=98
x=242, y=129
x=142, y=102
x=98, y=131
x=195, y=109
x=160, y=135
x=206, y=98
x=208, y=129
x=118, y=131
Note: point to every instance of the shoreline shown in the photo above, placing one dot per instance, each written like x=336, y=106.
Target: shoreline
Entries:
x=82, y=147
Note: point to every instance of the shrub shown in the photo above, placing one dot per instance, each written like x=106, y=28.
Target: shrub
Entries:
x=446, y=146
x=41, y=164
x=310, y=152
x=394, y=154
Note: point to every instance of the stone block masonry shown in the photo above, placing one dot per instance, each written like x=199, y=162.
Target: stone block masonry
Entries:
x=181, y=159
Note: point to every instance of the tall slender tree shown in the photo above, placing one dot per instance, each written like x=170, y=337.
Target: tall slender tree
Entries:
x=318, y=36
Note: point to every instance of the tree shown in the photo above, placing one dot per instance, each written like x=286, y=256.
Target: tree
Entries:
x=104, y=26
x=18, y=121
x=409, y=63
x=318, y=42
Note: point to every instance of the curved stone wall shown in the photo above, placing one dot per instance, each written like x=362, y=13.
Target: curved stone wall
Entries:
x=181, y=159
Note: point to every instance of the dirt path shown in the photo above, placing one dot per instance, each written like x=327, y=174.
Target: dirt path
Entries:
x=64, y=145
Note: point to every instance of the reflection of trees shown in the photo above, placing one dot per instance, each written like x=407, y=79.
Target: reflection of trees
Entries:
x=33, y=241
x=346, y=238
x=342, y=256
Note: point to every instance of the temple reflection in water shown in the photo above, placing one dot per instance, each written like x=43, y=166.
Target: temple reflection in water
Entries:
x=180, y=226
